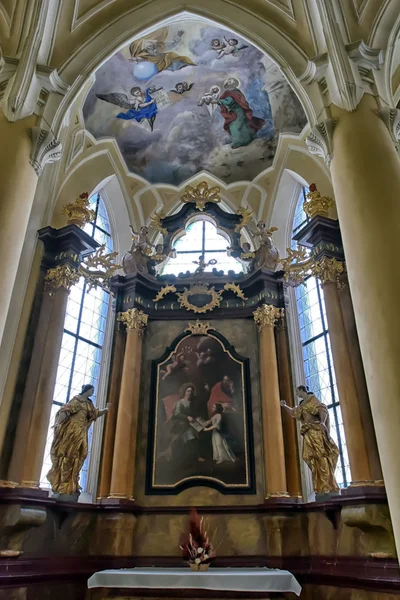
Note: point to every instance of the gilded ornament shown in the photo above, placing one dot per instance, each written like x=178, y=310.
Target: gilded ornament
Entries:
x=297, y=264
x=201, y=194
x=78, y=212
x=201, y=289
x=62, y=276
x=317, y=204
x=236, y=289
x=246, y=217
x=5, y=483
x=327, y=269
x=267, y=316
x=167, y=289
x=198, y=328
x=103, y=268
x=155, y=222
x=133, y=318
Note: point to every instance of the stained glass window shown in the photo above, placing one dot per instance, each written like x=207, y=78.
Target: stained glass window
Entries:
x=317, y=356
x=201, y=238
x=82, y=343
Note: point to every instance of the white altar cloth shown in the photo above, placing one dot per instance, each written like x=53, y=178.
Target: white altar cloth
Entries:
x=228, y=579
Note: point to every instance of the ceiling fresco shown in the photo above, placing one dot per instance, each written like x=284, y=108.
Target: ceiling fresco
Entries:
x=192, y=97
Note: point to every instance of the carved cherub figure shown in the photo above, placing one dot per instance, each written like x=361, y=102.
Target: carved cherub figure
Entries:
x=203, y=264
x=140, y=240
x=266, y=256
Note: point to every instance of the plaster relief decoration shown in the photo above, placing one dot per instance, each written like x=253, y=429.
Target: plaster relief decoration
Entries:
x=192, y=96
x=200, y=416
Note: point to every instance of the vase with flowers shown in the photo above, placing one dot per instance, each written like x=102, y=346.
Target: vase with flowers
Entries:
x=198, y=550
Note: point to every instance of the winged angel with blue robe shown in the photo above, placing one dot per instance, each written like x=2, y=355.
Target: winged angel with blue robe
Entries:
x=142, y=106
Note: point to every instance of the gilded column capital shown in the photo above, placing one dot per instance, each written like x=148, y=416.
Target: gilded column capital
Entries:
x=267, y=316
x=133, y=318
x=327, y=270
x=62, y=276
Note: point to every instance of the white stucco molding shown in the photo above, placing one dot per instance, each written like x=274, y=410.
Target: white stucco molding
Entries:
x=320, y=140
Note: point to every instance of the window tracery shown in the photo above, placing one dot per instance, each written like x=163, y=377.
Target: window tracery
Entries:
x=201, y=238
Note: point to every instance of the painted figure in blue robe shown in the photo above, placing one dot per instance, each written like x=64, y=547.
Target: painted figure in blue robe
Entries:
x=143, y=106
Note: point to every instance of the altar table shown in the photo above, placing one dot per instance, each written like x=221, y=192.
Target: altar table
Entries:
x=214, y=583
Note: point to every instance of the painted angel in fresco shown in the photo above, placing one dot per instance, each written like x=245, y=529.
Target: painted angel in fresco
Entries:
x=210, y=99
x=182, y=87
x=178, y=362
x=154, y=48
x=142, y=106
x=239, y=121
x=229, y=47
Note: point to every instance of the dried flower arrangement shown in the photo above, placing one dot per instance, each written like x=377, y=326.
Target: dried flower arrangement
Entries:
x=197, y=547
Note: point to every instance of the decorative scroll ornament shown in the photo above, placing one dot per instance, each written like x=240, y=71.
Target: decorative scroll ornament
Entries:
x=317, y=204
x=236, y=289
x=198, y=328
x=99, y=277
x=45, y=149
x=327, y=270
x=155, y=223
x=246, y=217
x=297, y=264
x=202, y=290
x=167, y=289
x=267, y=316
x=133, y=318
x=62, y=276
x=319, y=140
x=201, y=194
x=78, y=212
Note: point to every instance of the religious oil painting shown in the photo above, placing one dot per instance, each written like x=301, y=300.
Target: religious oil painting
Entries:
x=192, y=96
x=200, y=418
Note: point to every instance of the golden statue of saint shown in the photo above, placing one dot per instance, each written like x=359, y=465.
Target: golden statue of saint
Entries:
x=320, y=452
x=70, y=444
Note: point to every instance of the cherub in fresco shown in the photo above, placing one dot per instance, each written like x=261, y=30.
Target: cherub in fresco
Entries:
x=141, y=107
x=182, y=87
x=178, y=362
x=155, y=48
x=210, y=99
x=229, y=47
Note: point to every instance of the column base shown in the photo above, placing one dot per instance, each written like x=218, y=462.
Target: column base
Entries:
x=282, y=498
x=369, y=489
x=118, y=500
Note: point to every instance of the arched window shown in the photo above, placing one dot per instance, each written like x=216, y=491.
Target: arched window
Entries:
x=317, y=357
x=83, y=338
x=201, y=237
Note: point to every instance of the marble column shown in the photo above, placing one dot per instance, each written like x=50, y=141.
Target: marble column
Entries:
x=30, y=439
x=328, y=270
x=266, y=317
x=124, y=455
x=111, y=422
x=366, y=179
x=288, y=423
